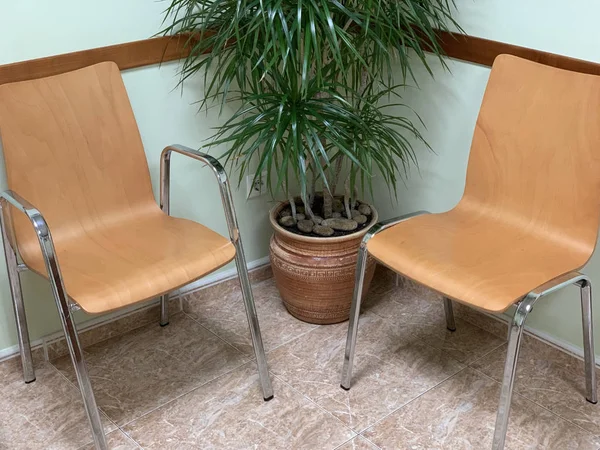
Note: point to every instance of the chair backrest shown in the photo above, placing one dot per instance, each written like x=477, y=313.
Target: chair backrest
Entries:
x=72, y=148
x=535, y=156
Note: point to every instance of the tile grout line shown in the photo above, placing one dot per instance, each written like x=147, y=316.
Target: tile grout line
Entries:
x=536, y=403
x=186, y=393
x=251, y=358
x=76, y=387
x=120, y=427
x=485, y=355
x=310, y=400
x=410, y=401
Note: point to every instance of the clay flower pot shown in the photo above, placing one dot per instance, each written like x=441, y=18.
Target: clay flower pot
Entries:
x=315, y=275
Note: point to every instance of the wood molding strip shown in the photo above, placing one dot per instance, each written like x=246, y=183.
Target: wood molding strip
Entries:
x=166, y=48
x=127, y=56
x=483, y=51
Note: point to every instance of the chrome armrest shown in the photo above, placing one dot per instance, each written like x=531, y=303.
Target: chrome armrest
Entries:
x=220, y=174
x=44, y=237
x=380, y=226
x=35, y=216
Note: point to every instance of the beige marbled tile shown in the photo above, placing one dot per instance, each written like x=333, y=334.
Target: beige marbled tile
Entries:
x=261, y=273
x=141, y=370
x=549, y=377
x=384, y=279
x=392, y=366
x=225, y=315
x=421, y=311
x=47, y=413
x=358, y=443
x=478, y=318
x=116, y=440
x=113, y=328
x=460, y=414
x=229, y=412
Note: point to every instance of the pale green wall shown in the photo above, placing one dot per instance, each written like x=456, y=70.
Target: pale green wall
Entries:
x=449, y=106
x=33, y=29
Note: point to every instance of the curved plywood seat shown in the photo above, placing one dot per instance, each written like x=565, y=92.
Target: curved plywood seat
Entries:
x=531, y=207
x=72, y=148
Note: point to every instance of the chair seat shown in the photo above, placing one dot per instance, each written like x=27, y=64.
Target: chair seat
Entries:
x=142, y=258
x=474, y=258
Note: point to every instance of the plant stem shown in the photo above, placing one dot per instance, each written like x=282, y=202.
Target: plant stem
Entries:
x=347, y=198
x=328, y=194
x=293, y=206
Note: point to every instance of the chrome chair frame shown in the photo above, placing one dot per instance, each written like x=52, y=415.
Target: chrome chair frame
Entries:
x=515, y=332
x=66, y=306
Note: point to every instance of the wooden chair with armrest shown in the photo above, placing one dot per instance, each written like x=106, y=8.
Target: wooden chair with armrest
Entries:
x=76, y=167
x=528, y=219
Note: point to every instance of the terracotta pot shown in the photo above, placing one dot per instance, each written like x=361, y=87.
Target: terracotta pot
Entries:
x=315, y=275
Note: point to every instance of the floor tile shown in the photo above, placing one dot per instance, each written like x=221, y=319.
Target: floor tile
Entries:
x=358, y=443
x=422, y=311
x=460, y=414
x=225, y=316
x=116, y=440
x=47, y=413
x=549, y=377
x=230, y=413
x=147, y=367
x=91, y=336
x=391, y=368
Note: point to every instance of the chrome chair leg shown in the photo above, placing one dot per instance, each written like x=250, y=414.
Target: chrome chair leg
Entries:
x=234, y=235
x=450, y=324
x=588, y=341
x=510, y=368
x=361, y=267
x=68, y=324
x=17, y=297
x=83, y=379
x=164, y=310
x=257, y=343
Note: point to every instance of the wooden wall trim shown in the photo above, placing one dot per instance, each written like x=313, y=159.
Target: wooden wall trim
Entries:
x=484, y=51
x=127, y=56
x=162, y=49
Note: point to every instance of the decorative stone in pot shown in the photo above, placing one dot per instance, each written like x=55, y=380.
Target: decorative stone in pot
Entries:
x=315, y=274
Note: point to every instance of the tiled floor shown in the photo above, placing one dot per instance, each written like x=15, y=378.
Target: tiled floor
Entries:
x=193, y=384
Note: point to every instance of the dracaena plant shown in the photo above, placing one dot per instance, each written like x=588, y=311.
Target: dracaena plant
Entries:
x=313, y=83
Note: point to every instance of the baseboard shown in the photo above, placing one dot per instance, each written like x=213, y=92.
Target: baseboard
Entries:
x=546, y=338
x=52, y=345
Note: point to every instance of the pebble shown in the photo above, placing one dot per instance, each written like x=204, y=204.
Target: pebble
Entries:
x=336, y=215
x=354, y=213
x=322, y=231
x=300, y=216
x=340, y=224
x=317, y=220
x=286, y=212
x=360, y=219
x=287, y=221
x=306, y=226
x=364, y=209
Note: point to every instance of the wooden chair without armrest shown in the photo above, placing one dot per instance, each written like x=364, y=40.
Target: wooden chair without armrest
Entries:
x=528, y=219
x=72, y=149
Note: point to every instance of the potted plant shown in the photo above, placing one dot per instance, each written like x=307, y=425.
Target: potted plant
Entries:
x=312, y=82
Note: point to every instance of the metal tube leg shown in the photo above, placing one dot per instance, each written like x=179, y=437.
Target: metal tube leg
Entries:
x=89, y=401
x=257, y=343
x=510, y=368
x=164, y=310
x=17, y=299
x=588, y=341
x=361, y=266
x=450, y=324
